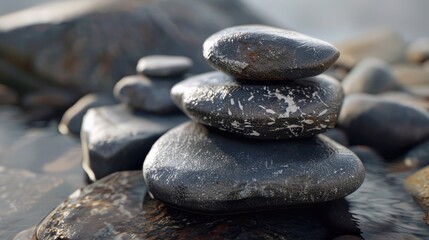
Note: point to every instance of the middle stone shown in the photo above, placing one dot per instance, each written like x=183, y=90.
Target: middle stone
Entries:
x=293, y=109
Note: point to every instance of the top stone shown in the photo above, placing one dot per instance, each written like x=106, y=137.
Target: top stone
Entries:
x=262, y=53
x=164, y=66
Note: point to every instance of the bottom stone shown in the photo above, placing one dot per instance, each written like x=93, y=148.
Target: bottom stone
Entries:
x=201, y=169
x=116, y=208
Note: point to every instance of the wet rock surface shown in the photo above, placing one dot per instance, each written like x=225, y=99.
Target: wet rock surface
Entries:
x=298, y=108
x=147, y=94
x=387, y=126
x=416, y=185
x=71, y=122
x=115, y=138
x=263, y=53
x=164, y=66
x=227, y=174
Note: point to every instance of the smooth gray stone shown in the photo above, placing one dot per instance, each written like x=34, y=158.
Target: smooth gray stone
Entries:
x=115, y=139
x=147, y=94
x=164, y=66
x=117, y=207
x=372, y=76
x=418, y=50
x=71, y=122
x=263, y=53
x=387, y=126
x=338, y=135
x=201, y=169
x=296, y=109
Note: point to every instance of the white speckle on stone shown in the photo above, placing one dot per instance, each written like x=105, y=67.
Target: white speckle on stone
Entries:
x=240, y=106
x=232, y=101
x=270, y=111
x=251, y=97
x=235, y=124
x=323, y=112
x=254, y=133
x=229, y=112
x=322, y=125
x=308, y=121
x=262, y=107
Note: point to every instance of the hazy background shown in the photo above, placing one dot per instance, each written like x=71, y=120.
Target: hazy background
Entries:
x=331, y=20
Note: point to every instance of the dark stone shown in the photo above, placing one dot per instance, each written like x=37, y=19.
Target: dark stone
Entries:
x=200, y=169
x=71, y=121
x=76, y=48
x=54, y=98
x=418, y=50
x=367, y=155
x=117, y=207
x=381, y=43
x=372, y=76
x=418, y=156
x=115, y=139
x=387, y=126
x=164, y=66
x=147, y=94
x=7, y=96
x=416, y=185
x=298, y=108
x=263, y=53
x=338, y=135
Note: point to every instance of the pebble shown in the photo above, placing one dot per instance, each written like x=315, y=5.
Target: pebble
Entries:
x=164, y=66
x=298, y=108
x=387, y=126
x=418, y=50
x=381, y=43
x=416, y=185
x=146, y=94
x=71, y=122
x=116, y=139
x=418, y=156
x=7, y=96
x=216, y=173
x=263, y=53
x=411, y=75
x=372, y=76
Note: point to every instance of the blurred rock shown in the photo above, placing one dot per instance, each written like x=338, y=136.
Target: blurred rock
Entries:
x=387, y=126
x=407, y=98
x=416, y=185
x=74, y=46
x=421, y=91
x=410, y=75
x=7, y=96
x=338, y=135
x=418, y=156
x=347, y=237
x=384, y=44
x=164, y=66
x=372, y=76
x=26, y=234
x=116, y=139
x=418, y=50
x=367, y=155
x=117, y=207
x=71, y=121
x=395, y=236
x=54, y=98
x=147, y=93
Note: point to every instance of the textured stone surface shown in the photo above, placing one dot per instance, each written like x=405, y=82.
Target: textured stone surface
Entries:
x=262, y=53
x=372, y=76
x=116, y=207
x=416, y=185
x=418, y=50
x=201, y=169
x=115, y=139
x=147, y=94
x=298, y=108
x=164, y=66
x=385, y=125
x=71, y=122
x=76, y=48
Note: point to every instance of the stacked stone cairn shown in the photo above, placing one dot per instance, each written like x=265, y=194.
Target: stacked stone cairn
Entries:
x=254, y=143
x=117, y=138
